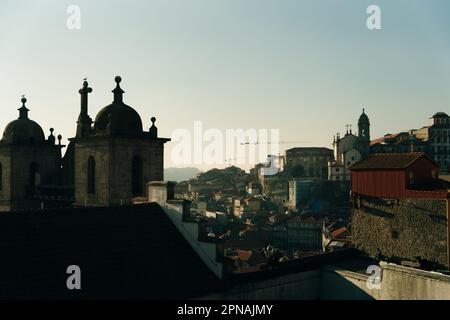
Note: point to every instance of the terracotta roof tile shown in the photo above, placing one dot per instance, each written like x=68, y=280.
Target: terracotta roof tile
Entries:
x=340, y=232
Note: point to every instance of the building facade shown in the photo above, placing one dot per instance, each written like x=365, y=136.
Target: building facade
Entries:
x=310, y=162
x=300, y=192
x=433, y=139
x=437, y=136
x=349, y=150
x=400, y=209
x=109, y=162
x=297, y=233
x=114, y=158
x=29, y=163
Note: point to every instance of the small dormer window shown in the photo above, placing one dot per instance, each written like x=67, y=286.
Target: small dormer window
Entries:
x=411, y=178
x=434, y=174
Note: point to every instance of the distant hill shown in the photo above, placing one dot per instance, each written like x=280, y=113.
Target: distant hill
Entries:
x=180, y=174
x=227, y=177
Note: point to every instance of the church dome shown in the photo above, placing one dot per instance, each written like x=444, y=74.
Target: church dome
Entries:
x=440, y=115
x=118, y=119
x=23, y=130
x=363, y=118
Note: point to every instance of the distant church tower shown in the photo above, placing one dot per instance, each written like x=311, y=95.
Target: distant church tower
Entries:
x=364, y=133
x=364, y=126
x=111, y=162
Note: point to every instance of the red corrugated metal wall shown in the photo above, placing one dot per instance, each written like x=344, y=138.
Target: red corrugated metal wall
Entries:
x=379, y=183
x=422, y=169
x=391, y=183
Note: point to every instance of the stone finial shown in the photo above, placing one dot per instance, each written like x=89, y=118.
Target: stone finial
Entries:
x=153, y=129
x=23, y=111
x=118, y=92
x=51, y=137
x=59, y=139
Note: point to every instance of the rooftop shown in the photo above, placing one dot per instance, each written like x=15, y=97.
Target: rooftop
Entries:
x=309, y=149
x=440, y=115
x=389, y=161
x=138, y=247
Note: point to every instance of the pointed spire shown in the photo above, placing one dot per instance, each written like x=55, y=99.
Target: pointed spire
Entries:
x=118, y=92
x=23, y=111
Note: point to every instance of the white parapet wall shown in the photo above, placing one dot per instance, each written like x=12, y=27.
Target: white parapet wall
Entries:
x=397, y=283
x=207, y=251
x=401, y=282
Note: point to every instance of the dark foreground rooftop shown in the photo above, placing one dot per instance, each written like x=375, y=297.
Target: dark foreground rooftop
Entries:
x=126, y=252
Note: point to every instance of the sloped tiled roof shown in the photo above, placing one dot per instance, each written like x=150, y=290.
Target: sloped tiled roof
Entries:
x=388, y=137
x=389, y=161
x=336, y=234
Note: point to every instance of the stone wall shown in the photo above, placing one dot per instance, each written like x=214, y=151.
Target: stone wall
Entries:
x=331, y=283
x=5, y=192
x=113, y=169
x=397, y=283
x=122, y=153
x=403, y=229
x=16, y=162
x=100, y=151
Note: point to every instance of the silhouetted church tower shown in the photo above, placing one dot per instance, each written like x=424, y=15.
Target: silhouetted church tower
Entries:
x=111, y=162
x=364, y=126
x=364, y=134
x=30, y=165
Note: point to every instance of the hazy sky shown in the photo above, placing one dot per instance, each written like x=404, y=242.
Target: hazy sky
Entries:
x=305, y=67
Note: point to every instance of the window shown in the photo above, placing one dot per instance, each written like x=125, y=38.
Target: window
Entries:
x=434, y=174
x=136, y=176
x=91, y=176
x=33, y=179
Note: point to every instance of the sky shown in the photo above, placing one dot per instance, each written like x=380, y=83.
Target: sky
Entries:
x=306, y=68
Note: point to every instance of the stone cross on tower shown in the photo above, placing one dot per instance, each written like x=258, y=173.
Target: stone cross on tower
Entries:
x=348, y=126
x=84, y=121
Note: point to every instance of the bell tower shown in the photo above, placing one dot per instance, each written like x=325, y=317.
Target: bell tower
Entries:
x=364, y=126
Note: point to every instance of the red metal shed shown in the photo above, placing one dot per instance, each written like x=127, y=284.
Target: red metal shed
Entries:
x=392, y=175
